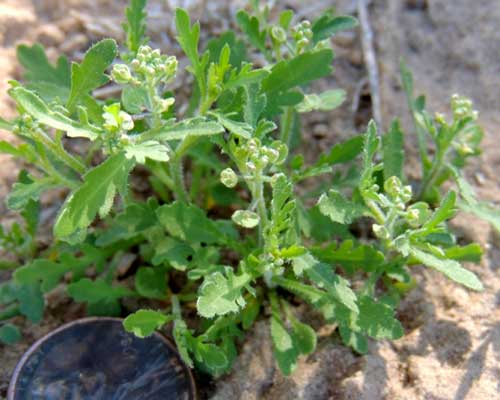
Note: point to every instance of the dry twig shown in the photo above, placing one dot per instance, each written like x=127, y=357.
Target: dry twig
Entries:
x=370, y=60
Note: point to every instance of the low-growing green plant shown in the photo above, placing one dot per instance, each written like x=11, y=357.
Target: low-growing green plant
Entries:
x=225, y=230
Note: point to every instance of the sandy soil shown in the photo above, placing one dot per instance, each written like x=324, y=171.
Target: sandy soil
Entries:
x=451, y=349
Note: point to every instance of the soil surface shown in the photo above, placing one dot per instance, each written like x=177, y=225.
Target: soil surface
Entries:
x=451, y=349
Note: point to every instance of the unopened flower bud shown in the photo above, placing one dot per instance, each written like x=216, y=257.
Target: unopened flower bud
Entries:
x=121, y=74
x=278, y=34
x=381, y=232
x=392, y=186
x=127, y=123
x=228, y=178
x=406, y=194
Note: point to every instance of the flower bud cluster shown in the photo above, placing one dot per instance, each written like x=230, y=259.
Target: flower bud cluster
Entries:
x=149, y=66
x=260, y=156
x=302, y=34
x=396, y=200
x=462, y=107
x=399, y=194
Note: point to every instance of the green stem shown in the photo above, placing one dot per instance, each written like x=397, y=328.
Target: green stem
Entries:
x=286, y=125
x=378, y=214
x=258, y=196
x=428, y=181
x=60, y=152
x=177, y=173
x=55, y=174
x=176, y=307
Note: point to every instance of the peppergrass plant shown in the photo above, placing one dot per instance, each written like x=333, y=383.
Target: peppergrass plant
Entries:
x=225, y=230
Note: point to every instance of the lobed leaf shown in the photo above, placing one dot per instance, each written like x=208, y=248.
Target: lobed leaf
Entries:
x=393, y=151
x=219, y=295
x=9, y=334
x=339, y=209
x=89, y=75
x=135, y=27
x=450, y=268
x=328, y=25
x=38, y=109
x=94, y=196
x=143, y=323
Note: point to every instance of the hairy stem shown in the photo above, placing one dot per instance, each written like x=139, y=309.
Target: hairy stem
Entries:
x=286, y=125
x=177, y=173
x=59, y=151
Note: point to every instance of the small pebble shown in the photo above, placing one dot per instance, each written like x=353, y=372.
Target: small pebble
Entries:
x=320, y=131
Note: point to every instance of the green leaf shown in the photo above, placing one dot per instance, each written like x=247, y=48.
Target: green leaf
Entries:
x=219, y=295
x=94, y=196
x=304, y=336
x=472, y=252
x=345, y=151
x=309, y=293
x=326, y=101
x=238, y=49
x=328, y=25
x=149, y=149
x=47, y=80
x=245, y=77
x=134, y=99
x=285, y=352
x=353, y=339
x=335, y=206
x=188, y=38
x=340, y=153
x=89, y=291
x=370, y=147
x=250, y=313
x=322, y=275
x=31, y=301
x=189, y=223
x=151, y=283
x=38, y=67
x=182, y=338
x=22, y=193
x=255, y=104
x=38, y=109
x=9, y=334
x=195, y=127
x=21, y=151
x=445, y=211
x=452, y=269
x=351, y=258
x=135, y=27
x=89, y=75
x=393, y=150
x=377, y=320
x=298, y=71
x=250, y=27
x=240, y=129
x=303, y=263
x=143, y=323
x=48, y=272
x=210, y=355
x=173, y=251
